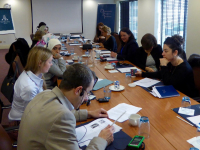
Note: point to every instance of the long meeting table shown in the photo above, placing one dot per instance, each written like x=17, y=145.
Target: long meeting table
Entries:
x=166, y=130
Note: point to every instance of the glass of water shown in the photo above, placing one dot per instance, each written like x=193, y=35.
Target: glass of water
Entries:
x=97, y=47
x=72, y=51
x=186, y=104
x=107, y=93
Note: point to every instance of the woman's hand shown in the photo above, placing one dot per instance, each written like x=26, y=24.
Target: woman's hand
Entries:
x=113, y=54
x=163, y=61
x=138, y=74
x=56, y=55
x=101, y=44
x=149, y=69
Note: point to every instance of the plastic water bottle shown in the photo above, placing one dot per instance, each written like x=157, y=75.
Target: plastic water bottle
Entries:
x=193, y=148
x=144, y=127
x=198, y=134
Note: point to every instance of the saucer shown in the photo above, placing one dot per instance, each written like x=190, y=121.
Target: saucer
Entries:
x=106, y=67
x=112, y=88
x=85, y=55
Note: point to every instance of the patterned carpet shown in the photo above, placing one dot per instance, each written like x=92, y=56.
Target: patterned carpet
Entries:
x=3, y=72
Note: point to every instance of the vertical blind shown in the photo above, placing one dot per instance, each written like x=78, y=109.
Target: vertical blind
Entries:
x=174, y=18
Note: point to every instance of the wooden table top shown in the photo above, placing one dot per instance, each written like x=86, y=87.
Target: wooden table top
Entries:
x=166, y=130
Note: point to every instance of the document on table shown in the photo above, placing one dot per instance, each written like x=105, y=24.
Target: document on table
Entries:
x=70, y=61
x=75, y=44
x=111, y=59
x=127, y=69
x=193, y=141
x=87, y=132
x=116, y=111
x=146, y=82
x=195, y=119
x=112, y=71
x=105, y=52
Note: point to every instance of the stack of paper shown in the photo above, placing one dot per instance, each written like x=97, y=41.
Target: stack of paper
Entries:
x=127, y=69
x=193, y=141
x=116, y=111
x=146, y=82
x=87, y=132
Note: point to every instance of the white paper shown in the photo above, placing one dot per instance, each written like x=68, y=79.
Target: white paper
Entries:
x=106, y=55
x=75, y=44
x=127, y=69
x=186, y=111
x=193, y=141
x=116, y=111
x=70, y=61
x=195, y=119
x=112, y=71
x=87, y=132
x=91, y=97
x=99, y=79
x=105, y=52
x=146, y=82
x=66, y=52
x=109, y=59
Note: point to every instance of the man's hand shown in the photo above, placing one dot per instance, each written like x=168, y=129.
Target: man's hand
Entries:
x=163, y=61
x=99, y=113
x=101, y=44
x=149, y=69
x=113, y=54
x=107, y=134
x=56, y=55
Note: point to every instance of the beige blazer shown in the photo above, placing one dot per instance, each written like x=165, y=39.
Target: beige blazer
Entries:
x=48, y=123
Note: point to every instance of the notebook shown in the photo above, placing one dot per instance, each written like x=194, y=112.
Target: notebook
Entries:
x=165, y=91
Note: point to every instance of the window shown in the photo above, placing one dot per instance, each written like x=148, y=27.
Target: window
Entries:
x=129, y=16
x=173, y=19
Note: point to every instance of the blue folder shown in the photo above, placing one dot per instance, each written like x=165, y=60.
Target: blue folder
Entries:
x=120, y=142
x=196, y=112
x=101, y=84
x=167, y=91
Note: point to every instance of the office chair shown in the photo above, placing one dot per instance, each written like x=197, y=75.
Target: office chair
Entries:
x=194, y=61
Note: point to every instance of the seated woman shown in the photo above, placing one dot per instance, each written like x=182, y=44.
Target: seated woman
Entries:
x=110, y=42
x=174, y=70
x=37, y=38
x=59, y=64
x=98, y=37
x=148, y=56
x=30, y=82
x=129, y=46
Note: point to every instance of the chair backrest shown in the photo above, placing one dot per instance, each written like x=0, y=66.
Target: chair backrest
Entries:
x=194, y=61
x=118, y=41
x=19, y=64
x=5, y=141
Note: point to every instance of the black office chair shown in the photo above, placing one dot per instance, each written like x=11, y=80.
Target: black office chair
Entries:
x=194, y=61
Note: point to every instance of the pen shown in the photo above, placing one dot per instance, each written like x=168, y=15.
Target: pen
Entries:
x=118, y=118
x=184, y=120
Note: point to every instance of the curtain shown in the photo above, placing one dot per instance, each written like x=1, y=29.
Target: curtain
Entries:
x=174, y=18
x=124, y=14
x=133, y=17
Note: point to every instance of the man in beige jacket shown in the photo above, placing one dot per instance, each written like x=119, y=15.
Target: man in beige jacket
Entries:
x=49, y=120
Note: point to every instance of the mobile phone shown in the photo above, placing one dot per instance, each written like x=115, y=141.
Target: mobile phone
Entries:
x=102, y=100
x=136, y=141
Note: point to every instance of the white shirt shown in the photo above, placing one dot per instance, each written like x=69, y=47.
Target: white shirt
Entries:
x=27, y=86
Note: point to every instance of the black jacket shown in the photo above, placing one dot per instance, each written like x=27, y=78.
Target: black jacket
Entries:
x=141, y=57
x=128, y=52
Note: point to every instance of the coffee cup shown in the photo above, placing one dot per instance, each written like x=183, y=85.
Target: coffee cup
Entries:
x=75, y=57
x=109, y=65
x=134, y=119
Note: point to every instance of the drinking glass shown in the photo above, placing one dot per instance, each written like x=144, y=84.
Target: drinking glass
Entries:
x=72, y=51
x=97, y=47
x=186, y=104
x=144, y=127
x=128, y=78
x=107, y=93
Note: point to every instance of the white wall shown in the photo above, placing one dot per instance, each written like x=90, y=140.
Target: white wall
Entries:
x=21, y=12
x=90, y=16
x=193, y=28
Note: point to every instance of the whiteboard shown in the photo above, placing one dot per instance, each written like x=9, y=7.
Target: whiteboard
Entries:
x=61, y=16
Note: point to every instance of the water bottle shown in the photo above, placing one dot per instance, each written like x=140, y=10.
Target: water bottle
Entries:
x=144, y=127
x=198, y=134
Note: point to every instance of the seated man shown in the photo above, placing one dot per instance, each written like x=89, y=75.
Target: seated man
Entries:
x=49, y=120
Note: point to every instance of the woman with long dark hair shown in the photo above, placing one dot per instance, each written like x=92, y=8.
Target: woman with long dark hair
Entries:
x=129, y=46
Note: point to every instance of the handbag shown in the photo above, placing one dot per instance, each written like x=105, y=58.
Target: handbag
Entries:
x=7, y=87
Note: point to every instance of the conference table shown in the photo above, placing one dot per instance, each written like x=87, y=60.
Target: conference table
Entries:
x=166, y=130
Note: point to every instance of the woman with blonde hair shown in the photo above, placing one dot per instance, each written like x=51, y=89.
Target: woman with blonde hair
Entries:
x=58, y=64
x=98, y=37
x=30, y=82
x=110, y=42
